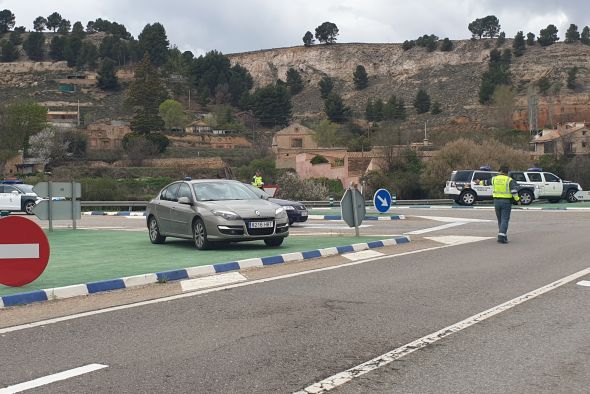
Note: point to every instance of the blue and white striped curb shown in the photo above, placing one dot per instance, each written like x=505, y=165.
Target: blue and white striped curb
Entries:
x=186, y=273
x=338, y=217
x=118, y=213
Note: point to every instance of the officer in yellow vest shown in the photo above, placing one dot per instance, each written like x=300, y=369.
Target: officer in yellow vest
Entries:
x=257, y=180
x=504, y=191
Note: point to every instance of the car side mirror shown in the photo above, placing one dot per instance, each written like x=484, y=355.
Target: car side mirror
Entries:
x=185, y=200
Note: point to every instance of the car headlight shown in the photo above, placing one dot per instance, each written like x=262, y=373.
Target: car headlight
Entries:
x=227, y=215
x=288, y=208
x=280, y=212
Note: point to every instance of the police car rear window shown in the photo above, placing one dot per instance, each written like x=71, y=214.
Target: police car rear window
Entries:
x=462, y=176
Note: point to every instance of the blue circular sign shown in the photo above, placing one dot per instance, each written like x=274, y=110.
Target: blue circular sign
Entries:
x=382, y=200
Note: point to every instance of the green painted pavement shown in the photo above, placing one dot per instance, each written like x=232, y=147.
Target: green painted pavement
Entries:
x=84, y=256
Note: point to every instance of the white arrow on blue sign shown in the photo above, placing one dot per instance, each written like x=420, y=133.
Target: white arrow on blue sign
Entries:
x=382, y=200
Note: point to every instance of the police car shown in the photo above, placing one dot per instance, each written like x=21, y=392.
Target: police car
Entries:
x=551, y=187
x=463, y=189
x=16, y=196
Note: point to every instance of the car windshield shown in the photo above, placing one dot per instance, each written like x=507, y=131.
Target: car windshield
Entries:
x=221, y=191
x=259, y=192
x=25, y=188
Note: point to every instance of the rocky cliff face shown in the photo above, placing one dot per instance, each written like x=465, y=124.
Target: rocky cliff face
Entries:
x=451, y=78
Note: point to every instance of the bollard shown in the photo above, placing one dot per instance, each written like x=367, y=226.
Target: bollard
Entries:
x=393, y=198
x=331, y=201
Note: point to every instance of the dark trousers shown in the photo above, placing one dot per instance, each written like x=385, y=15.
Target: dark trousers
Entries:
x=503, y=208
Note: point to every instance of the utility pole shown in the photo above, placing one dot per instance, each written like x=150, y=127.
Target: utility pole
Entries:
x=533, y=110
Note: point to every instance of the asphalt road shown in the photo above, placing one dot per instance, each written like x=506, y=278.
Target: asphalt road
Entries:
x=284, y=335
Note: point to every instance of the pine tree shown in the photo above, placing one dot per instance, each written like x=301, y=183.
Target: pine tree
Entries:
x=446, y=45
x=530, y=39
x=572, y=34
x=9, y=52
x=294, y=81
x=107, y=76
x=585, y=37
x=361, y=79
x=519, y=44
x=308, y=39
x=326, y=85
x=422, y=102
x=335, y=108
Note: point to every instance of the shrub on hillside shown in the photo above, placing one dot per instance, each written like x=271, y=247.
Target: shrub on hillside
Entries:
x=467, y=154
x=293, y=188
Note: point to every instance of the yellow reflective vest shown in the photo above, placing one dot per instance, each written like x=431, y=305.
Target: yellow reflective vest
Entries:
x=501, y=187
x=257, y=181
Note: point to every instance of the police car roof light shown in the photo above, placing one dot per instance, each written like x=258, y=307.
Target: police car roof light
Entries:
x=535, y=169
x=485, y=168
x=188, y=178
x=12, y=182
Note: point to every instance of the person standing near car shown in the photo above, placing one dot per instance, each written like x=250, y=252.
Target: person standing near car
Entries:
x=257, y=180
x=504, y=191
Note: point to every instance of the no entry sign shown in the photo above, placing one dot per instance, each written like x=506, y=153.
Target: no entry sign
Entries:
x=24, y=251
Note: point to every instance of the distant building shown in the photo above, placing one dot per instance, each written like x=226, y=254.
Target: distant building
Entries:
x=567, y=139
x=291, y=141
x=63, y=119
x=198, y=127
x=18, y=165
x=107, y=135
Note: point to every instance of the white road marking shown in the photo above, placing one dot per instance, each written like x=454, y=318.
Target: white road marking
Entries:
x=365, y=254
x=447, y=219
x=457, y=239
x=19, y=251
x=211, y=281
x=386, y=358
x=437, y=228
x=584, y=283
x=31, y=384
x=207, y=291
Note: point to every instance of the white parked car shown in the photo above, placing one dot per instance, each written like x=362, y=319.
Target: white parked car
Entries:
x=17, y=197
x=550, y=185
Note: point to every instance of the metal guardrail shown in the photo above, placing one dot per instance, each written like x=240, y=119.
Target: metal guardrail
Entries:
x=318, y=204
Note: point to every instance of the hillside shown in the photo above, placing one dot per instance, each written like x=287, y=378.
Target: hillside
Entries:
x=452, y=78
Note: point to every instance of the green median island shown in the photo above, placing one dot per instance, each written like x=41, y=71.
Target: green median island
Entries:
x=83, y=256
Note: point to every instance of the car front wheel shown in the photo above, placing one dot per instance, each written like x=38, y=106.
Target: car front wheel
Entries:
x=277, y=241
x=467, y=198
x=526, y=197
x=29, y=206
x=155, y=236
x=200, y=235
x=571, y=195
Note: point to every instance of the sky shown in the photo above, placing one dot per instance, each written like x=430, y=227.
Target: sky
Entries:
x=248, y=25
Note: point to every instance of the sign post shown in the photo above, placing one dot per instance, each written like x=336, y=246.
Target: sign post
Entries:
x=66, y=208
x=382, y=200
x=24, y=251
x=352, y=208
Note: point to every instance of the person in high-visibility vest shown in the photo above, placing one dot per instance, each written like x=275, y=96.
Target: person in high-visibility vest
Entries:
x=257, y=180
x=504, y=192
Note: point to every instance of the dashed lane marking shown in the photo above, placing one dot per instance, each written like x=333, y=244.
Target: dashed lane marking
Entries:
x=346, y=376
x=584, y=283
x=31, y=384
x=457, y=239
x=436, y=228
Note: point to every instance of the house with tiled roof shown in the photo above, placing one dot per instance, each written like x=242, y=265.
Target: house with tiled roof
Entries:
x=566, y=139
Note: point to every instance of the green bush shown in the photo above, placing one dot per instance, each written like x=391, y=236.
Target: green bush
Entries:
x=319, y=159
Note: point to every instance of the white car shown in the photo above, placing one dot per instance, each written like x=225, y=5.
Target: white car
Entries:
x=17, y=197
x=550, y=185
x=463, y=189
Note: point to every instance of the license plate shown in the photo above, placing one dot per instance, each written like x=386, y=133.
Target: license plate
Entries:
x=260, y=224
x=303, y=213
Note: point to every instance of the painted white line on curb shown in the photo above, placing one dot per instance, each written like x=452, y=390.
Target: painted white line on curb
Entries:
x=431, y=229
x=207, y=291
x=365, y=254
x=584, y=283
x=211, y=281
x=31, y=384
x=386, y=358
x=19, y=251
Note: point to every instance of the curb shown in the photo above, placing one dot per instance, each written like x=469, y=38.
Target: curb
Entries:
x=186, y=273
x=118, y=213
x=338, y=217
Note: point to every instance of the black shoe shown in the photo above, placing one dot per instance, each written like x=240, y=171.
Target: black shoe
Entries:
x=503, y=240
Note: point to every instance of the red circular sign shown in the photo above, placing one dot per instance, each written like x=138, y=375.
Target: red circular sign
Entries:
x=24, y=251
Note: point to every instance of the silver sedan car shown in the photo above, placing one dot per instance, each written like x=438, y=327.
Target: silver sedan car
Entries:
x=215, y=210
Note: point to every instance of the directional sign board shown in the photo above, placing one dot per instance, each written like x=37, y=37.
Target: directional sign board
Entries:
x=60, y=210
x=583, y=195
x=353, y=199
x=382, y=200
x=59, y=189
x=24, y=251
